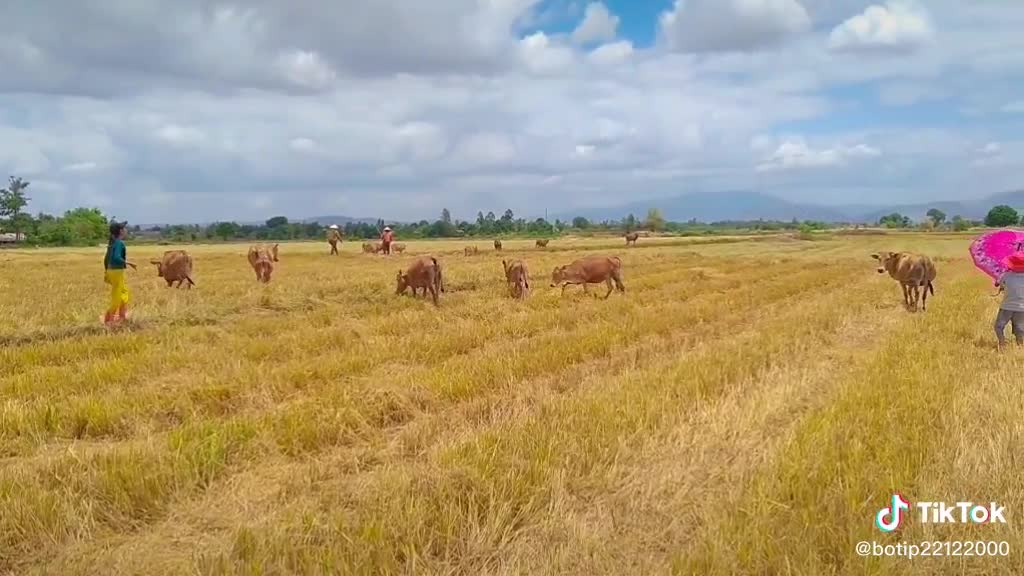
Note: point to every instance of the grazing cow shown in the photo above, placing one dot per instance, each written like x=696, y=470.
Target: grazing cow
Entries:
x=915, y=273
x=497, y=245
x=262, y=258
x=542, y=243
x=398, y=248
x=631, y=238
x=470, y=250
x=590, y=270
x=517, y=277
x=370, y=248
x=175, y=266
x=425, y=273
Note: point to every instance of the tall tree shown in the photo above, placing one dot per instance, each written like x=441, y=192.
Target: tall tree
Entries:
x=936, y=216
x=655, y=220
x=446, y=216
x=12, y=201
x=1002, y=215
x=277, y=222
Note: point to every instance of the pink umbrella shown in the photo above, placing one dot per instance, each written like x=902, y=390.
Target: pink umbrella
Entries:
x=989, y=250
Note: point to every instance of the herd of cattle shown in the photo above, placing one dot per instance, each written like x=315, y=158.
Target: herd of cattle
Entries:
x=915, y=272
x=424, y=273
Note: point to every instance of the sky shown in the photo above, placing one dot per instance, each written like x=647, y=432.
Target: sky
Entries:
x=198, y=110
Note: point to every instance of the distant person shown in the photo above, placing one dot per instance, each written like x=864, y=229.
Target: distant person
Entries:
x=386, y=238
x=1011, y=311
x=114, y=263
x=333, y=237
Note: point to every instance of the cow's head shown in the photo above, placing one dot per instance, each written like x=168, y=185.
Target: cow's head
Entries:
x=273, y=251
x=159, y=267
x=557, y=275
x=402, y=282
x=886, y=261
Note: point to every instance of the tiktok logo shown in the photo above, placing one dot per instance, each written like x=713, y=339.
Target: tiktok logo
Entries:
x=888, y=519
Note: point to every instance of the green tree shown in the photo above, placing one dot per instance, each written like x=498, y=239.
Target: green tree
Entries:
x=225, y=230
x=959, y=224
x=81, y=226
x=446, y=216
x=894, y=220
x=277, y=222
x=655, y=220
x=580, y=222
x=629, y=222
x=1002, y=215
x=12, y=201
x=936, y=216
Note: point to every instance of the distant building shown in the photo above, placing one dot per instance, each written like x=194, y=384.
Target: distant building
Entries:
x=11, y=237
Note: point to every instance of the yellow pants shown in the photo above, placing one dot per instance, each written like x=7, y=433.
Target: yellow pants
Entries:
x=118, y=290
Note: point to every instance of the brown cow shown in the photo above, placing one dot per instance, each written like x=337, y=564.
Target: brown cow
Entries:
x=262, y=258
x=471, y=250
x=497, y=245
x=913, y=272
x=542, y=243
x=517, y=277
x=370, y=248
x=175, y=266
x=425, y=273
x=631, y=238
x=398, y=248
x=590, y=270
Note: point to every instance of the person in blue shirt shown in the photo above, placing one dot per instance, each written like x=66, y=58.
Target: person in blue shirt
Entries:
x=114, y=263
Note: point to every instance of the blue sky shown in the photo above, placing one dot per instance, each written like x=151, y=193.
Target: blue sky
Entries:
x=195, y=110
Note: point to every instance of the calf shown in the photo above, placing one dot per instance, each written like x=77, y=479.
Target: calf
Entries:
x=542, y=243
x=175, y=266
x=470, y=250
x=398, y=248
x=590, y=270
x=262, y=258
x=631, y=238
x=370, y=248
x=913, y=272
x=517, y=277
x=497, y=245
x=423, y=273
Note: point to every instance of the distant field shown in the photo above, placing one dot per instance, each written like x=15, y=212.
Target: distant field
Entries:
x=745, y=408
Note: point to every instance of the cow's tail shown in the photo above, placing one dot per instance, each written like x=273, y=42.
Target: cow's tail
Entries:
x=190, y=282
x=931, y=288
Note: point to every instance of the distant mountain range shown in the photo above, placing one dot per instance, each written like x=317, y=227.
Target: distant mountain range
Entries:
x=744, y=205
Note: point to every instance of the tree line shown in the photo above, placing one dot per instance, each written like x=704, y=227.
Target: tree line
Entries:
x=84, y=226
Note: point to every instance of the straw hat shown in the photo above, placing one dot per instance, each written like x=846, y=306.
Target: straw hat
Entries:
x=334, y=226
x=387, y=228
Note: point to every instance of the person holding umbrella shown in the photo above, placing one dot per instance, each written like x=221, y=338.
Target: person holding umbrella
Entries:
x=1011, y=311
x=1000, y=255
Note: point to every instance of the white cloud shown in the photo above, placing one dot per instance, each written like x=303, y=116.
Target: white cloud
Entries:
x=1016, y=107
x=598, y=25
x=180, y=135
x=470, y=104
x=611, y=53
x=306, y=70
x=302, y=144
x=898, y=25
x=541, y=55
x=731, y=25
x=796, y=154
x=80, y=167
